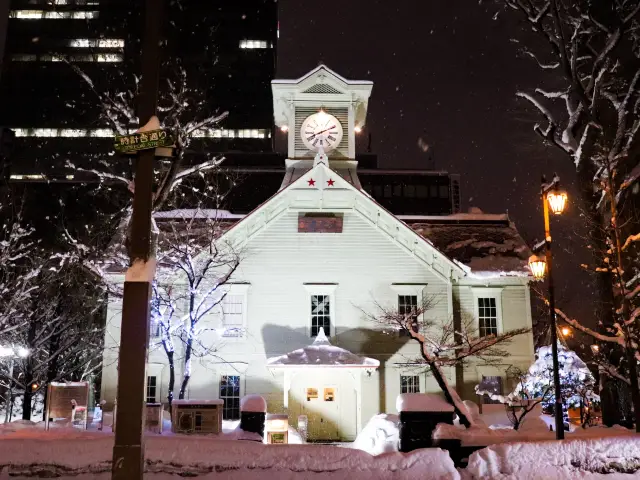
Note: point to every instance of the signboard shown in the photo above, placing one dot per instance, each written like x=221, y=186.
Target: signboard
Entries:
x=67, y=402
x=142, y=141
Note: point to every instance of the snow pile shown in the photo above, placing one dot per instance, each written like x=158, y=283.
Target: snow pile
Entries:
x=422, y=402
x=87, y=455
x=253, y=403
x=481, y=435
x=557, y=460
x=322, y=353
x=379, y=435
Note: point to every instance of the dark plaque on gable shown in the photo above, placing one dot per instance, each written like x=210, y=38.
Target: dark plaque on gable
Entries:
x=320, y=223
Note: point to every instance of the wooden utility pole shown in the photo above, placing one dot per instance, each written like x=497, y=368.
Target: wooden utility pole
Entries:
x=128, y=451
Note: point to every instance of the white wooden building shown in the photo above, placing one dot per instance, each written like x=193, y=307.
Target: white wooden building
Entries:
x=317, y=254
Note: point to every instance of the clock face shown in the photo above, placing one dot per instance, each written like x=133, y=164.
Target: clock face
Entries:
x=321, y=130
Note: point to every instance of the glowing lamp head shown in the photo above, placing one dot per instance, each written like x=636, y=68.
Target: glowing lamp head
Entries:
x=538, y=266
x=595, y=348
x=566, y=331
x=357, y=129
x=284, y=128
x=557, y=201
x=23, y=352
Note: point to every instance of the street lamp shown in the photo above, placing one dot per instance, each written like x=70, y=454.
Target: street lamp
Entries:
x=555, y=200
x=566, y=331
x=11, y=352
x=538, y=266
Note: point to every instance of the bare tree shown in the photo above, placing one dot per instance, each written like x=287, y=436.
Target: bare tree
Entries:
x=523, y=399
x=593, y=117
x=193, y=270
x=442, y=345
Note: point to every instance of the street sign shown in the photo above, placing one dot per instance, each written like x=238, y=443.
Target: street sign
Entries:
x=142, y=141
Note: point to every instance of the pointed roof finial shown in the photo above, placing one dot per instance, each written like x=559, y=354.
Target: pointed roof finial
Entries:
x=321, y=337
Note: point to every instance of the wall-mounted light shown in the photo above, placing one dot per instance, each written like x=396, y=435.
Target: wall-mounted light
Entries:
x=357, y=129
x=284, y=128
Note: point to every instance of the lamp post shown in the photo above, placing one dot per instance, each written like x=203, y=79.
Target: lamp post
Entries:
x=555, y=200
x=12, y=353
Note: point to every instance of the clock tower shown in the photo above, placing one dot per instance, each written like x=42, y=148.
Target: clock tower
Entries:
x=321, y=113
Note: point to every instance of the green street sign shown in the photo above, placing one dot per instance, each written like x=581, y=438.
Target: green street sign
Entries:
x=142, y=141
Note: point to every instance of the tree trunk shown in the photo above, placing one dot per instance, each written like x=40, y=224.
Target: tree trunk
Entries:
x=597, y=237
x=187, y=369
x=28, y=372
x=172, y=377
x=444, y=385
x=52, y=367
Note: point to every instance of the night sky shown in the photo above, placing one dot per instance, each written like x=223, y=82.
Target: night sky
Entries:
x=446, y=72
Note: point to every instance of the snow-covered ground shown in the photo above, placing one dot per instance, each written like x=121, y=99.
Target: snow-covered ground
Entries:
x=76, y=454
x=601, y=458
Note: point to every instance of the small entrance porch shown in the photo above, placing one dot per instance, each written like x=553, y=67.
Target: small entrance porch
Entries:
x=324, y=383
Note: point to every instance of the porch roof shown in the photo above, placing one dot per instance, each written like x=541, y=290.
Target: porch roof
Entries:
x=322, y=354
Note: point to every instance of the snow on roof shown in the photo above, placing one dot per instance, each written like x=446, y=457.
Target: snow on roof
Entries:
x=322, y=354
x=213, y=401
x=422, y=402
x=487, y=244
x=253, y=403
x=189, y=213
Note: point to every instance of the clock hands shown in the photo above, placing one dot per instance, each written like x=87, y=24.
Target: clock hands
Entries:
x=322, y=131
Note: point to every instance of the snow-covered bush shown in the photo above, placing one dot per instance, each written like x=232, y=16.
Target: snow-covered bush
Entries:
x=536, y=385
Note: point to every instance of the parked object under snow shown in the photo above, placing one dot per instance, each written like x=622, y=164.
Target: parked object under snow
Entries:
x=253, y=403
x=322, y=354
x=422, y=402
x=379, y=435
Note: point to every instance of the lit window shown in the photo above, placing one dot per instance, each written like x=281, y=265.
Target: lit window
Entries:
x=487, y=316
x=312, y=394
x=63, y=132
x=251, y=44
x=99, y=43
x=99, y=57
x=230, y=393
x=409, y=384
x=43, y=14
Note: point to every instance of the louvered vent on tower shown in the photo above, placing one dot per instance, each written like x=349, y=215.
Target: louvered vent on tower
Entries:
x=342, y=114
x=321, y=88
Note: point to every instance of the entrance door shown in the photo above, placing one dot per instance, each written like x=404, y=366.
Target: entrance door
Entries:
x=321, y=406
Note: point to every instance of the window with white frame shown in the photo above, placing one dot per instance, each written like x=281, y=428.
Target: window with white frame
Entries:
x=233, y=315
x=408, y=306
x=487, y=316
x=321, y=307
x=320, y=314
x=230, y=393
x=152, y=389
x=409, y=384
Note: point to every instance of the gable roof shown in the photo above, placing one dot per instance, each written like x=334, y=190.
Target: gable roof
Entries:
x=320, y=70
x=308, y=193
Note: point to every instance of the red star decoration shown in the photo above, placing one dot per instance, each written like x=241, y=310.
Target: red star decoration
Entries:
x=311, y=182
x=330, y=182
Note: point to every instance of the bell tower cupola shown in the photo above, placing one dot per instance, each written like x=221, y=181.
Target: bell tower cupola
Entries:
x=321, y=112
